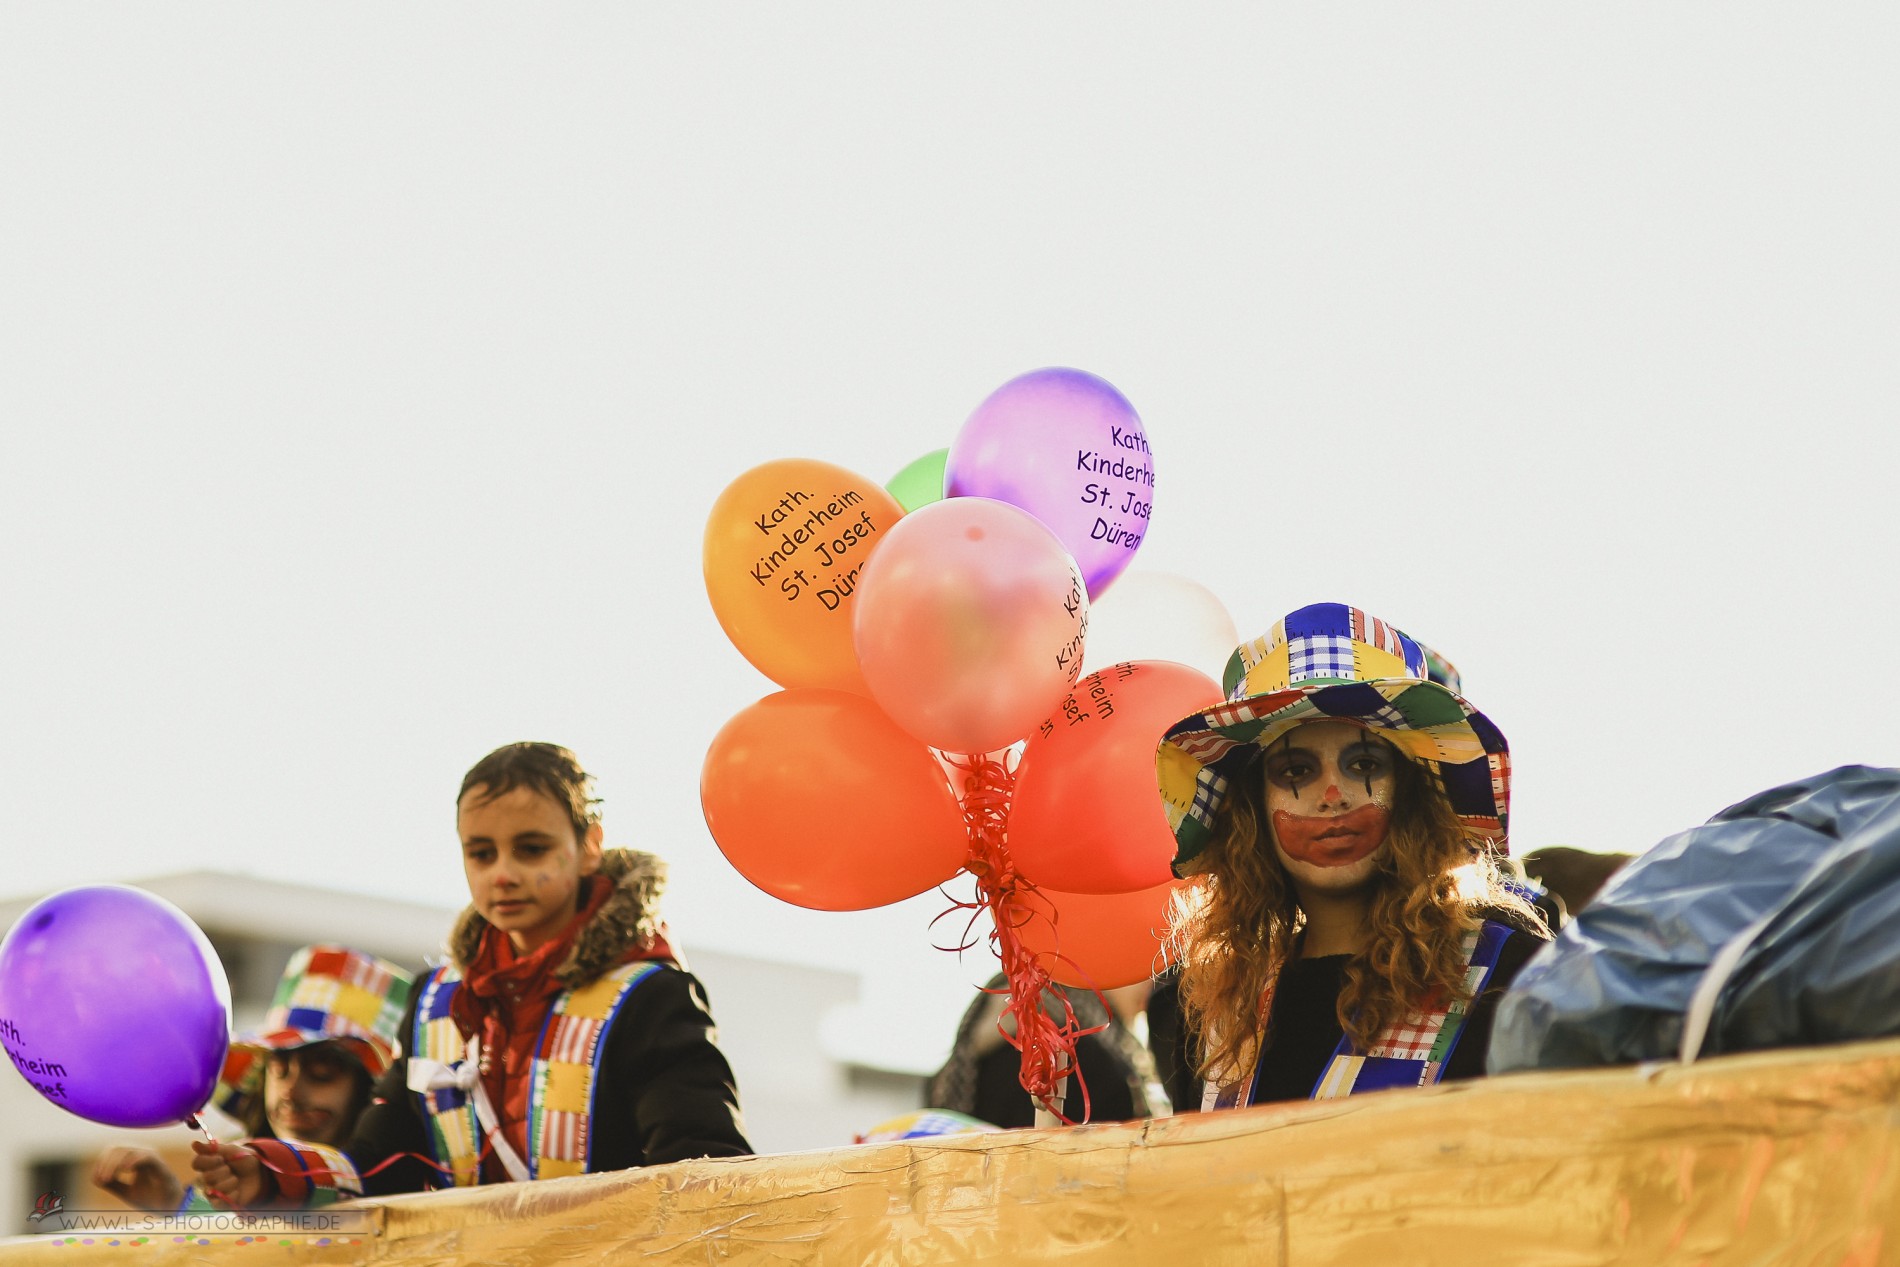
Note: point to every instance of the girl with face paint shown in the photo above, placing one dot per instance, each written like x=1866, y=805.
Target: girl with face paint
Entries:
x=1347, y=905
x=1329, y=802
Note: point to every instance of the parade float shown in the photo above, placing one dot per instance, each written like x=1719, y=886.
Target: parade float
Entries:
x=1778, y=1157
x=933, y=721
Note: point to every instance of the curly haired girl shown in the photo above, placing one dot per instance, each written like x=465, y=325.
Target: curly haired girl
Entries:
x=1352, y=928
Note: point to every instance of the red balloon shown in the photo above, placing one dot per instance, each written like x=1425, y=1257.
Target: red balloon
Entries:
x=1100, y=941
x=822, y=801
x=1086, y=816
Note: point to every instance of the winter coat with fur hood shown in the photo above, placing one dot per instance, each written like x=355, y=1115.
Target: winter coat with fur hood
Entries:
x=663, y=1089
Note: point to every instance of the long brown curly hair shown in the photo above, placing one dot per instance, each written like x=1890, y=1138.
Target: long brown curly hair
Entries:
x=1237, y=929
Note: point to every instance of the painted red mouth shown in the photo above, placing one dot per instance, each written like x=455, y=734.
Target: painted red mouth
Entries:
x=1331, y=840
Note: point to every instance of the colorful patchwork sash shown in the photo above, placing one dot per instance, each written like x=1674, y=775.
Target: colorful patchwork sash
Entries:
x=561, y=1084
x=1410, y=1052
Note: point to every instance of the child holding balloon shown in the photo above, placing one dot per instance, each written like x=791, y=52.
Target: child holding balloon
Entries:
x=305, y=1074
x=1353, y=930
x=563, y=1037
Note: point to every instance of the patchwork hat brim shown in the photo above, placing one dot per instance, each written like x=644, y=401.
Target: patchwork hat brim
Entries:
x=1202, y=755
x=241, y=1083
x=372, y=1052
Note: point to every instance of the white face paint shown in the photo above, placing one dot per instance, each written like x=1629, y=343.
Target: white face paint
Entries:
x=1329, y=788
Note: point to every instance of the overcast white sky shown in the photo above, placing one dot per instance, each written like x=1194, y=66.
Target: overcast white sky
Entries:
x=366, y=374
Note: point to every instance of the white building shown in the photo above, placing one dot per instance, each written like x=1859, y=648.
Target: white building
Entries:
x=795, y=1095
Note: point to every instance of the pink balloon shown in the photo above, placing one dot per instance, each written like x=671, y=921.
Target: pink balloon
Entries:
x=1068, y=448
x=969, y=624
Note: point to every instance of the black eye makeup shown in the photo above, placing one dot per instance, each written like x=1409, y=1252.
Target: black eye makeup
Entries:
x=1365, y=761
x=1291, y=767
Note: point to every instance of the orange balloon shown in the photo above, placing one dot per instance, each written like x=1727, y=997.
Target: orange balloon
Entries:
x=1086, y=816
x=783, y=549
x=1100, y=941
x=819, y=799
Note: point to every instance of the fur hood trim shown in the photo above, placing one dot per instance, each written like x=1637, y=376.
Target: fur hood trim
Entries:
x=631, y=918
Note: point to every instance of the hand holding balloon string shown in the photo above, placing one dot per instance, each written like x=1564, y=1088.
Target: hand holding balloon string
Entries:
x=228, y=1173
x=234, y=1173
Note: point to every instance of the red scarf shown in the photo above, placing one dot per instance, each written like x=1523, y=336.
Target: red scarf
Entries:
x=505, y=997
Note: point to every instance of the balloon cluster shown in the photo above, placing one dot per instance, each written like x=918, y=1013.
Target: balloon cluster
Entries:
x=930, y=640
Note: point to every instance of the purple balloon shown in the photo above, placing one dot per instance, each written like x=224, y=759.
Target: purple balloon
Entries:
x=1069, y=449
x=114, y=1006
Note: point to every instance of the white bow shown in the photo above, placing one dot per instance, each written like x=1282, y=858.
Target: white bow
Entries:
x=433, y=1075
x=465, y=1075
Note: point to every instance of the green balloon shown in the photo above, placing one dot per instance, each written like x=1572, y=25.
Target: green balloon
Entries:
x=921, y=482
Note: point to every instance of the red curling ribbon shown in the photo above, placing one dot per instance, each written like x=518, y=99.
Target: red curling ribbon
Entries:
x=1047, y=1044
x=325, y=1172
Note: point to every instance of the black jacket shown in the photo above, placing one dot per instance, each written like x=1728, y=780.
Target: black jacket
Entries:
x=664, y=1091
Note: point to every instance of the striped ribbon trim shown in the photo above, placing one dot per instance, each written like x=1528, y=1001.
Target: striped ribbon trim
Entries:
x=1410, y=1052
x=455, y=1136
x=561, y=1084
x=567, y=1069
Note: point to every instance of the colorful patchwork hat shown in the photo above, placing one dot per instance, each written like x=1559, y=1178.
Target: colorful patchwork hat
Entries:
x=328, y=994
x=1333, y=661
x=1440, y=670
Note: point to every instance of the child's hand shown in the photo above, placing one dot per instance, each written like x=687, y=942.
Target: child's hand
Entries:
x=230, y=1172
x=137, y=1177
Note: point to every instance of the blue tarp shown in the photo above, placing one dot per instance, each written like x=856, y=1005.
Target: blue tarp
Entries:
x=1805, y=878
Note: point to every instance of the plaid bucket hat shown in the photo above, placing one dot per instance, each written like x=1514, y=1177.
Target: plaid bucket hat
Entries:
x=328, y=994
x=1323, y=662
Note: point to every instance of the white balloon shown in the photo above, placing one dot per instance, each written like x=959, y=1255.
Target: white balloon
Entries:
x=1159, y=616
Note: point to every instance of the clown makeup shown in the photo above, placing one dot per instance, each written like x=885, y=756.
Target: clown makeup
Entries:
x=1329, y=787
